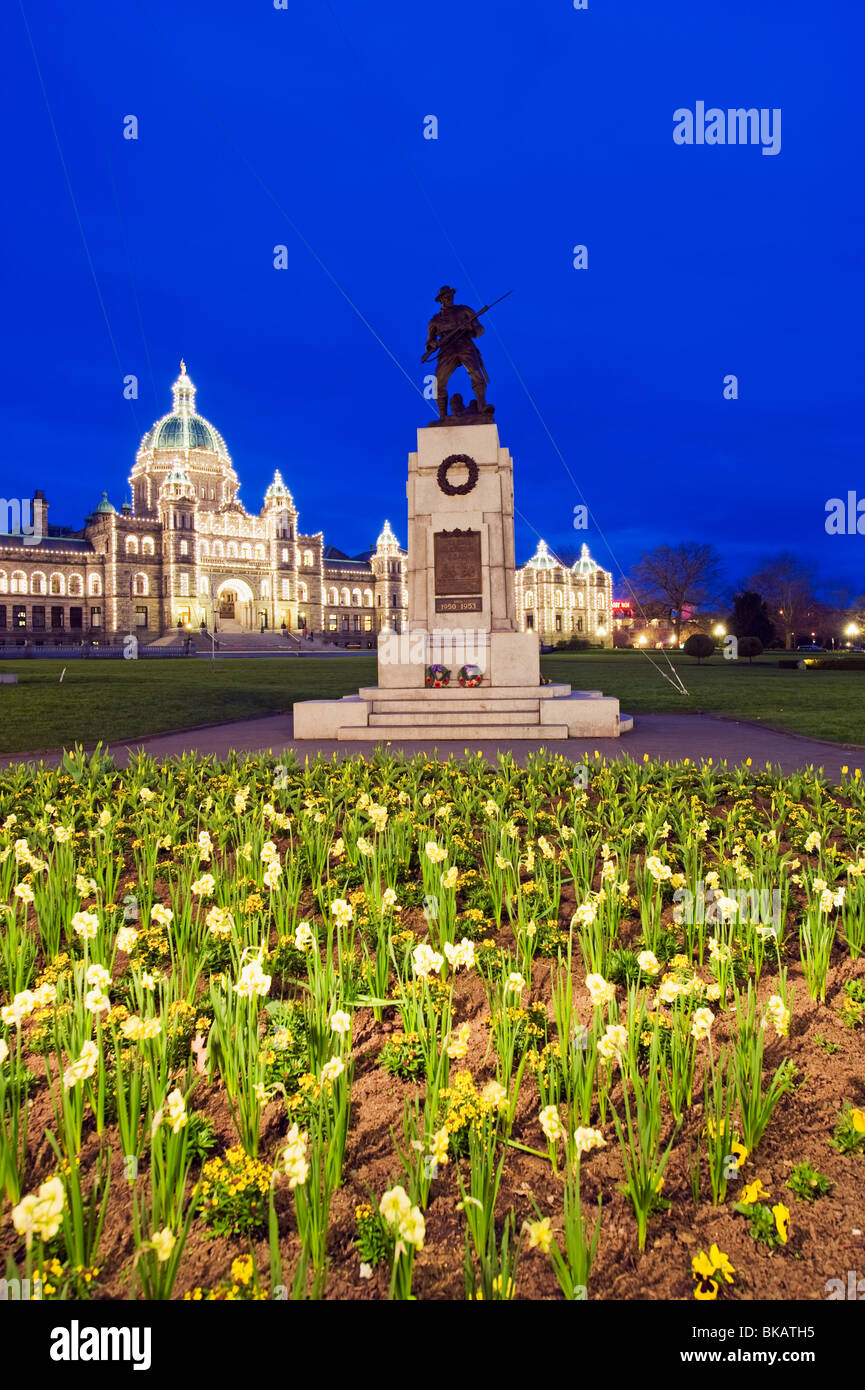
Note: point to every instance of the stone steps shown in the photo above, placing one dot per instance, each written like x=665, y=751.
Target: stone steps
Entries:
x=437, y=718
x=463, y=732
x=447, y=709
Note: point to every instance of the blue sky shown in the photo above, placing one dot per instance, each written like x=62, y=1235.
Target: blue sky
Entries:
x=304, y=127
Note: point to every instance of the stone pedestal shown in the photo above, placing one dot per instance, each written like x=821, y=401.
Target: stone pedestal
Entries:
x=461, y=598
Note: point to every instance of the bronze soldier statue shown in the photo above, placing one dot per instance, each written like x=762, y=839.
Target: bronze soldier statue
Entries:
x=451, y=332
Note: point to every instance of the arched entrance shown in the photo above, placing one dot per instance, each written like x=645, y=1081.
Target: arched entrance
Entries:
x=234, y=604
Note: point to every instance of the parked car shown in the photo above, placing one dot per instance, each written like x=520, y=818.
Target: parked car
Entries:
x=810, y=647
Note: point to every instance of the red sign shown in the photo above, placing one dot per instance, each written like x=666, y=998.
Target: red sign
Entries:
x=622, y=606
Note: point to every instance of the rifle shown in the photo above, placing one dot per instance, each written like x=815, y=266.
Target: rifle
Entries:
x=454, y=333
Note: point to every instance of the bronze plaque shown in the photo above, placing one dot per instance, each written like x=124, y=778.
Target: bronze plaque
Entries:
x=457, y=563
x=458, y=605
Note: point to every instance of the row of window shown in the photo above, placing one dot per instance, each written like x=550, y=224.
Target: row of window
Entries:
x=576, y=623
x=220, y=551
x=16, y=583
x=574, y=600
x=335, y=624
x=55, y=618
x=40, y=618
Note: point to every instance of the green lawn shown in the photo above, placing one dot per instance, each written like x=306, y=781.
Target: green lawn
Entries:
x=823, y=704
x=111, y=700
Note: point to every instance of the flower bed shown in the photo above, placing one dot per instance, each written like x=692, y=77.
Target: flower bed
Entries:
x=301, y=1014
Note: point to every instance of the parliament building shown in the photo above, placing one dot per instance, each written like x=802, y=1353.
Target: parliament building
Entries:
x=185, y=554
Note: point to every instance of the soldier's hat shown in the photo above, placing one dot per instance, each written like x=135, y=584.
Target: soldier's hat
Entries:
x=445, y=289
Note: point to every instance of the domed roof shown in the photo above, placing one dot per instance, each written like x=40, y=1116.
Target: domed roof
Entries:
x=542, y=559
x=387, y=537
x=585, y=564
x=277, y=491
x=183, y=428
x=104, y=508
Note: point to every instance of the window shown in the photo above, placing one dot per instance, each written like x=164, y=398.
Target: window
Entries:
x=331, y=621
x=131, y=545
x=76, y=586
x=530, y=598
x=301, y=592
x=259, y=552
x=203, y=550
x=19, y=582
x=94, y=586
x=285, y=590
x=57, y=585
x=345, y=599
x=379, y=600
x=141, y=617
x=367, y=598
x=579, y=624
x=184, y=547
x=76, y=617
x=147, y=546
x=308, y=560
x=558, y=599
x=232, y=550
x=141, y=584
x=96, y=617
x=367, y=622
x=4, y=582
x=581, y=599
x=203, y=586
x=558, y=622
x=37, y=582
x=284, y=555
x=184, y=586
x=37, y=621
x=265, y=588
x=218, y=550
x=2, y=615
x=246, y=552
x=345, y=622
x=356, y=623
x=530, y=622
x=355, y=598
x=56, y=617
x=601, y=604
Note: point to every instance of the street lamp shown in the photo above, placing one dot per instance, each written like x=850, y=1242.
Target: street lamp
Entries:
x=720, y=630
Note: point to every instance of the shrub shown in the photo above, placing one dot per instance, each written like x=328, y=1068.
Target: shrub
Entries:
x=750, y=647
x=700, y=645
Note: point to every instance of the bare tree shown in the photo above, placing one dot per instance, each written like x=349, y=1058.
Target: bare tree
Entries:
x=680, y=577
x=787, y=585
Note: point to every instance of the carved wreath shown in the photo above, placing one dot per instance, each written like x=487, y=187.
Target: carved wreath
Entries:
x=450, y=488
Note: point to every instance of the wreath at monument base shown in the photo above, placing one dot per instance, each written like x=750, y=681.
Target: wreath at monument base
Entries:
x=452, y=489
x=438, y=676
x=470, y=676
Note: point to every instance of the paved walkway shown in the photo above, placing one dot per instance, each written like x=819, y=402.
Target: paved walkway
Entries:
x=663, y=736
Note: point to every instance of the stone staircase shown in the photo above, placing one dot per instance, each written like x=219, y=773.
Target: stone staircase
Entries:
x=507, y=713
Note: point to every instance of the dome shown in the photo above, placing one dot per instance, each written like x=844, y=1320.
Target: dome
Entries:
x=585, y=564
x=183, y=428
x=104, y=508
x=277, y=491
x=542, y=559
x=387, y=537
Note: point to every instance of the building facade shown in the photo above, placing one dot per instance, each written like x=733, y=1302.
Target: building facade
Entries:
x=560, y=601
x=186, y=554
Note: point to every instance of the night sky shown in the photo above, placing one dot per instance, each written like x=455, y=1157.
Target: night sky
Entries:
x=305, y=127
